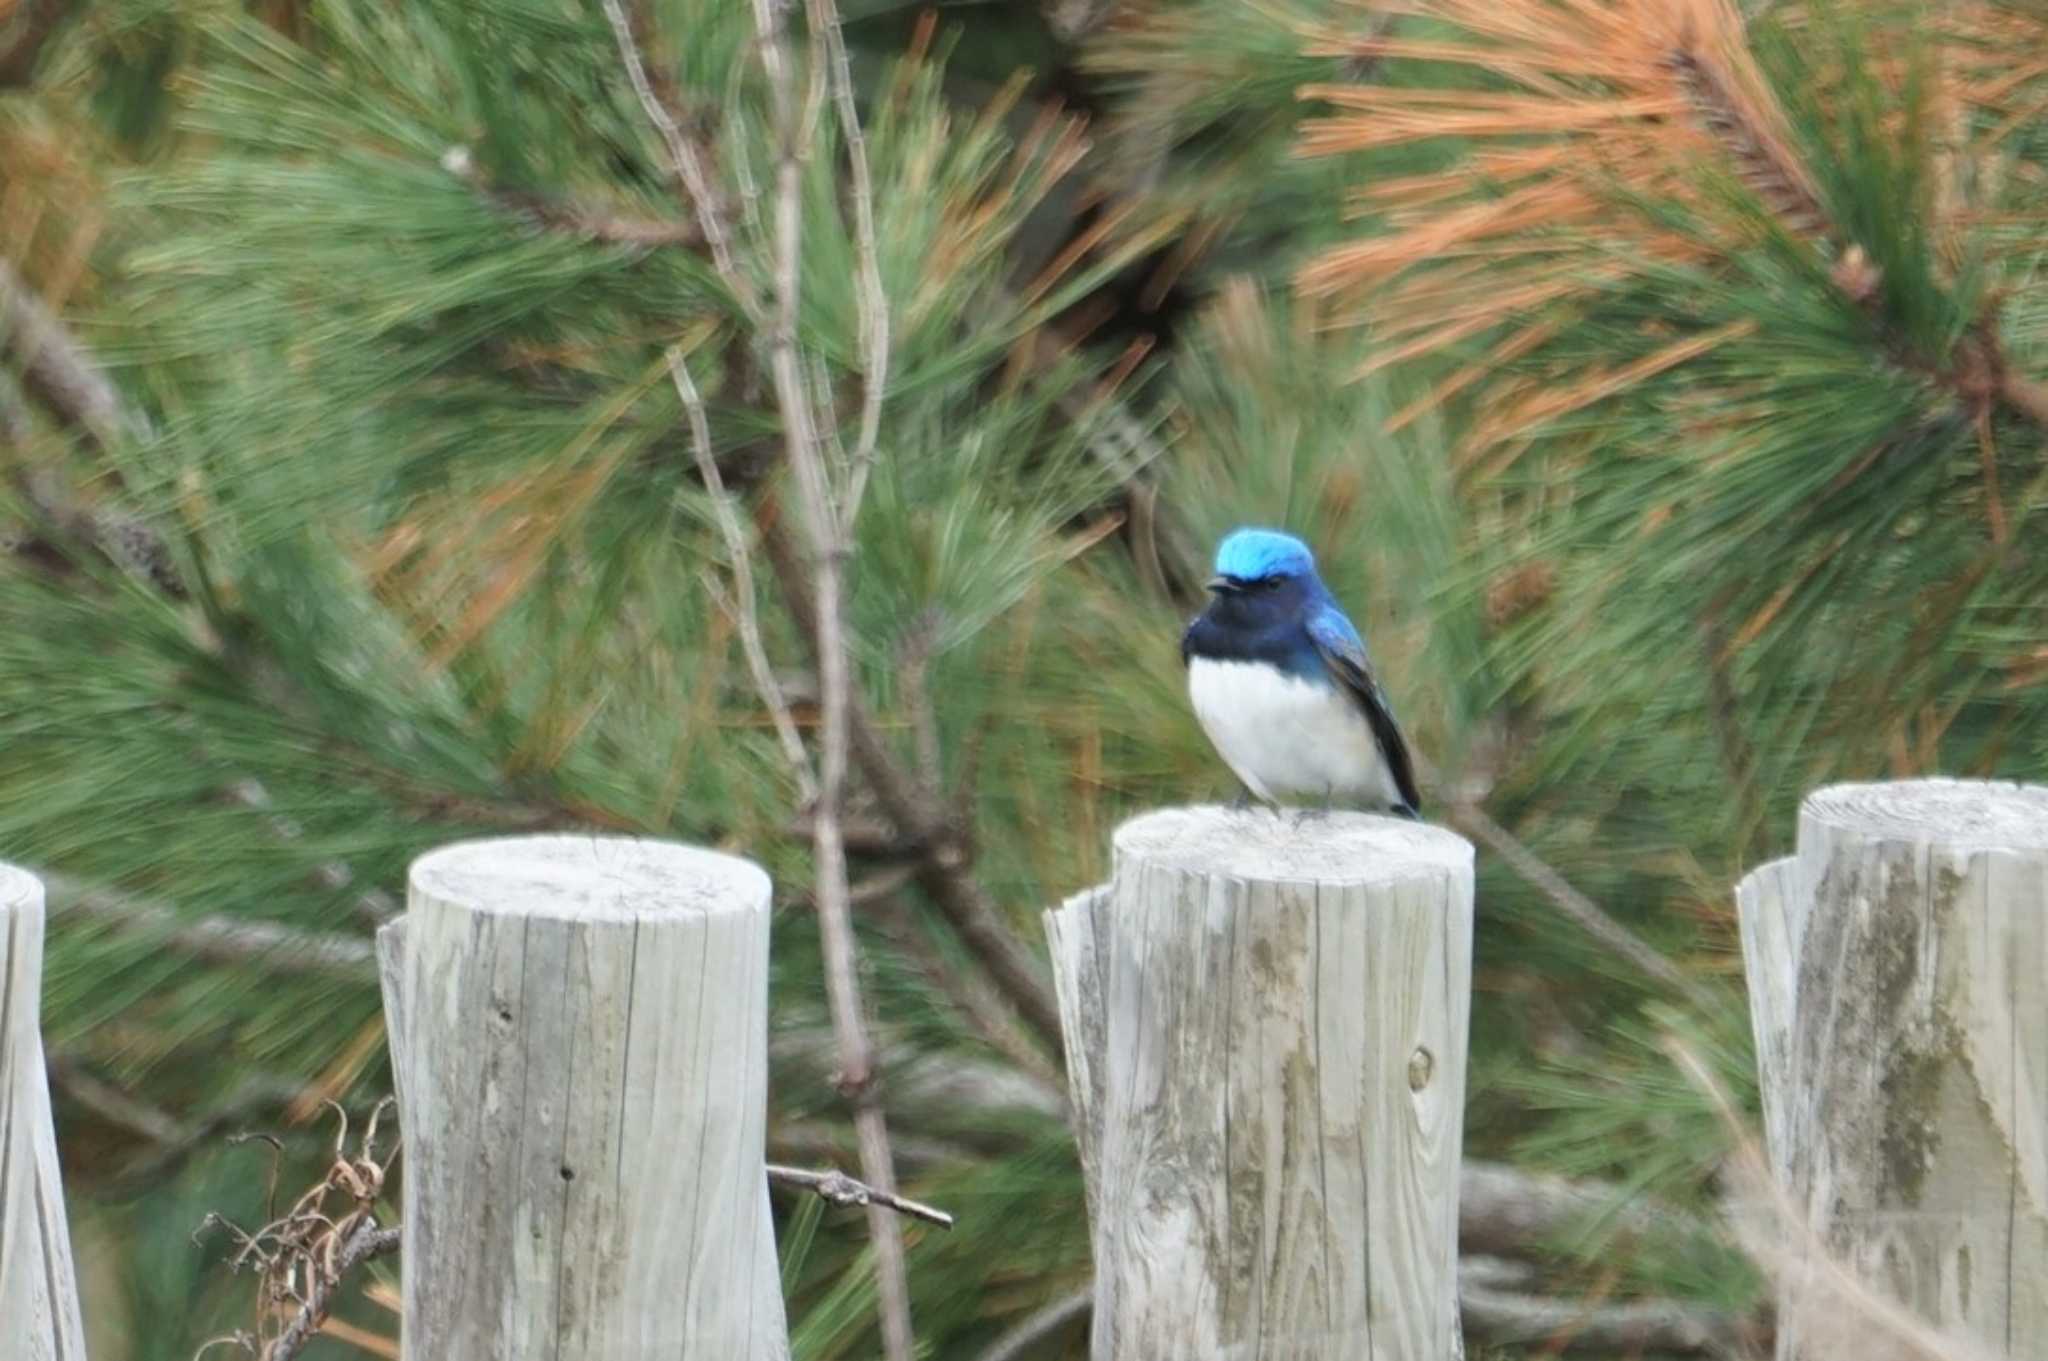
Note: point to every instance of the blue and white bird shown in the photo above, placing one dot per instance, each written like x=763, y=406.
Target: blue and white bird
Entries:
x=1282, y=685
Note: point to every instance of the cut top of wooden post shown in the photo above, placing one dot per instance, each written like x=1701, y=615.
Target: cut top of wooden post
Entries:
x=1262, y=846
x=1965, y=814
x=588, y=878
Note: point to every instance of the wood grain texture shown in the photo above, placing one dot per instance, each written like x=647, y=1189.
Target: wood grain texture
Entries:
x=579, y=1026
x=39, y=1318
x=1266, y=1028
x=1898, y=978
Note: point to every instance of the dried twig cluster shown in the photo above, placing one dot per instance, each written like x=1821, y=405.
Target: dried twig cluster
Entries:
x=303, y=1255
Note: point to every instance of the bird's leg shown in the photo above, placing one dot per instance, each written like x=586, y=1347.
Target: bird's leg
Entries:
x=1243, y=801
x=1316, y=813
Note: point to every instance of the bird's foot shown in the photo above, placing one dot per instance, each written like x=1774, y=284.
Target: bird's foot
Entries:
x=1304, y=817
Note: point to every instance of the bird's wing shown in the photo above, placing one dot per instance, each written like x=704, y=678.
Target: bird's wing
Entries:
x=1344, y=653
x=1185, y=634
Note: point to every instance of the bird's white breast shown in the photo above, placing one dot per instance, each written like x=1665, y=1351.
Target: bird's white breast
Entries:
x=1287, y=737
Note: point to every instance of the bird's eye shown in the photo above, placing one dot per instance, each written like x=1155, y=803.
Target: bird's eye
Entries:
x=1268, y=584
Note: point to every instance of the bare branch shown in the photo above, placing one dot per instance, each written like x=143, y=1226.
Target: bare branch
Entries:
x=1041, y=1324
x=685, y=158
x=141, y=1118
x=829, y=529
x=872, y=301
x=972, y=995
x=1472, y=820
x=58, y=372
x=918, y=647
x=1633, y=1327
x=222, y=940
x=1506, y=1210
x=928, y=828
x=372, y=904
x=745, y=616
x=840, y=1189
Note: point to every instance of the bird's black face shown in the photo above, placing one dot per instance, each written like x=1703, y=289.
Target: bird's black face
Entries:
x=1257, y=602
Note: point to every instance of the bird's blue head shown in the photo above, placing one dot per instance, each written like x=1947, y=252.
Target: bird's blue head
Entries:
x=1250, y=558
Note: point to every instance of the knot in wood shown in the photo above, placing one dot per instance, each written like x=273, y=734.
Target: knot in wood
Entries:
x=1421, y=1065
x=854, y=1083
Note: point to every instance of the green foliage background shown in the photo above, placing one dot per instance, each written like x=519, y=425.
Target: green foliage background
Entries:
x=417, y=463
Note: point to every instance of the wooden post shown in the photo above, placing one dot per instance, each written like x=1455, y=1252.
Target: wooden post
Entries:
x=579, y=1026
x=1898, y=984
x=38, y=1289
x=1265, y=1025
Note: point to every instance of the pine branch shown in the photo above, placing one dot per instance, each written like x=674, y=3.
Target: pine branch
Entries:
x=1760, y=161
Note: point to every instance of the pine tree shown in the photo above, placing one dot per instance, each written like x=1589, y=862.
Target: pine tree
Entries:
x=422, y=452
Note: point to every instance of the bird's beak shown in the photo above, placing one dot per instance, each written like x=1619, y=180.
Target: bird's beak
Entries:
x=1221, y=585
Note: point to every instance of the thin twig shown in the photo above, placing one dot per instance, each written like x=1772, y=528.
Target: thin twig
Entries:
x=971, y=994
x=1041, y=1324
x=1859, y=1318
x=835, y=1186
x=149, y=1122
x=829, y=533
x=685, y=159
x=569, y=217
x=1470, y=818
x=918, y=646
x=745, y=615
x=872, y=301
x=219, y=939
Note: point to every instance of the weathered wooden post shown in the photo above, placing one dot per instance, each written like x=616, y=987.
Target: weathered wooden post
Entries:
x=1898, y=985
x=1265, y=1024
x=38, y=1288
x=579, y=1027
